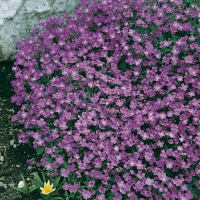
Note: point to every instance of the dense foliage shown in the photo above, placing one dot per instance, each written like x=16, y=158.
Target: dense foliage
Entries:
x=111, y=98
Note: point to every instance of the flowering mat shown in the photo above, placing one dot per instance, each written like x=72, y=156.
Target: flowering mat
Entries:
x=110, y=100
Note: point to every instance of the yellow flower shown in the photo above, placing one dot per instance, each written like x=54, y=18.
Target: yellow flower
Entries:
x=47, y=188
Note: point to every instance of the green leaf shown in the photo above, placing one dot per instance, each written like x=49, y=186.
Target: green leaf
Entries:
x=43, y=196
x=18, y=189
x=38, y=179
x=25, y=185
x=88, y=90
x=57, y=198
x=62, y=184
x=32, y=189
x=71, y=195
x=174, y=38
x=161, y=38
x=40, y=150
x=73, y=82
x=110, y=197
x=44, y=179
x=55, y=183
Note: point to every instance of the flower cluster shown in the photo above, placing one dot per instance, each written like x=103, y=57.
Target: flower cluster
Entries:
x=112, y=95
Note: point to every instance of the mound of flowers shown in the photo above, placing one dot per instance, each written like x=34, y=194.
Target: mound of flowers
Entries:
x=111, y=98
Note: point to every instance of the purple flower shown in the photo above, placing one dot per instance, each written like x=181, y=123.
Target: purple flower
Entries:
x=100, y=197
x=177, y=181
x=91, y=183
x=64, y=172
x=54, y=174
x=102, y=189
x=165, y=43
x=149, y=181
x=59, y=159
x=87, y=194
x=189, y=59
x=48, y=166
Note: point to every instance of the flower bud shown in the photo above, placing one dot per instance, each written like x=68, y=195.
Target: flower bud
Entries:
x=21, y=184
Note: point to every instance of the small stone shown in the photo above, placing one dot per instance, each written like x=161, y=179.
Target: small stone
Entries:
x=48, y=174
x=18, y=166
x=30, y=168
x=1, y=158
x=12, y=142
x=14, y=145
x=11, y=132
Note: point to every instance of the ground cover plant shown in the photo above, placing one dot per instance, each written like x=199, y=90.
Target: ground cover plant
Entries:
x=109, y=98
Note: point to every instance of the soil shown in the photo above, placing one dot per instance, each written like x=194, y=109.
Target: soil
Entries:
x=13, y=155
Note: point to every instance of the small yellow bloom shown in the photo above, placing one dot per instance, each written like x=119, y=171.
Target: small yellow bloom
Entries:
x=47, y=188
